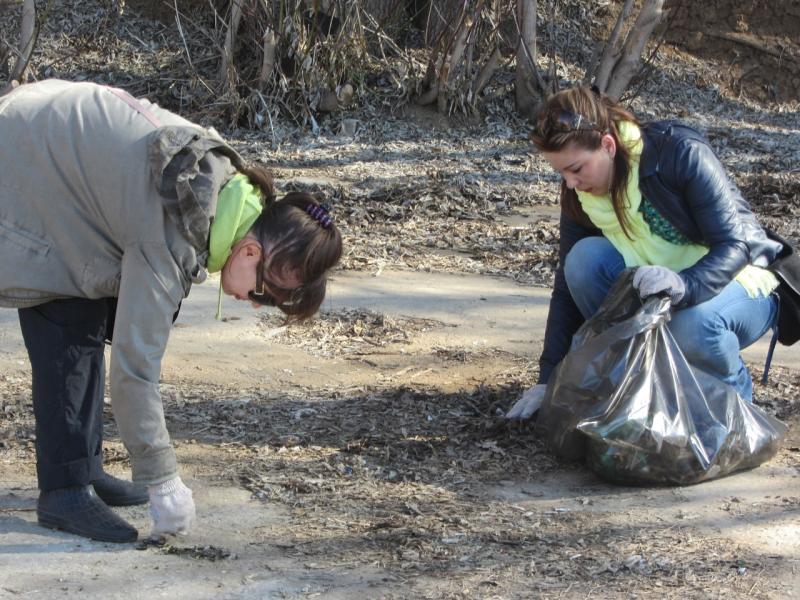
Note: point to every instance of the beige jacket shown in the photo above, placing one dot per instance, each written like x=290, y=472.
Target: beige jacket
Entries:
x=102, y=196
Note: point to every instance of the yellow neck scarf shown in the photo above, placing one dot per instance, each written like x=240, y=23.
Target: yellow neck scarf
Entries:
x=642, y=248
x=238, y=207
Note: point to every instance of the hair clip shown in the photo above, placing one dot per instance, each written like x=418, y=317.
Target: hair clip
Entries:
x=566, y=121
x=320, y=214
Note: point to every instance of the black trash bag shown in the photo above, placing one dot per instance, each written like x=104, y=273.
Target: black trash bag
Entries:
x=626, y=399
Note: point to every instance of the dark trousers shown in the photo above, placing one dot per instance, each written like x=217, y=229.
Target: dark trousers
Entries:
x=65, y=341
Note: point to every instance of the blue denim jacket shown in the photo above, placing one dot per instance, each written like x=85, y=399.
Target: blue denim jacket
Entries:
x=685, y=182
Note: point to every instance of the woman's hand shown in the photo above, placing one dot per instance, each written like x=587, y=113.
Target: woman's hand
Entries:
x=651, y=280
x=529, y=403
x=171, y=506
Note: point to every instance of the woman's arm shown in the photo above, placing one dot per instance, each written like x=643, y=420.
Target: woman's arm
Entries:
x=151, y=289
x=714, y=204
x=563, y=318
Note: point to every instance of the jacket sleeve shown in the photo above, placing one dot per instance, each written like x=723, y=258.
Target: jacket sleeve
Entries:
x=712, y=200
x=151, y=289
x=563, y=317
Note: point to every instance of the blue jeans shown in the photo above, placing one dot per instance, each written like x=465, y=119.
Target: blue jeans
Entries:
x=710, y=334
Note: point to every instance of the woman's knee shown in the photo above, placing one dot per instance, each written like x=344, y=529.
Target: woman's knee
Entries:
x=590, y=259
x=704, y=339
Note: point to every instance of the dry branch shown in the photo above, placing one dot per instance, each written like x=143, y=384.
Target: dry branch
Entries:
x=226, y=71
x=745, y=40
x=464, y=59
x=27, y=40
x=611, y=50
x=269, y=42
x=528, y=78
x=453, y=61
x=486, y=74
x=456, y=55
x=626, y=67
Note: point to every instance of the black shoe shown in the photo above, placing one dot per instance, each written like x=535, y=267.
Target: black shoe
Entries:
x=118, y=492
x=78, y=510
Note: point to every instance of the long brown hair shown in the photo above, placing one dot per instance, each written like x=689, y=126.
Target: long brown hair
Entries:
x=593, y=115
x=299, y=242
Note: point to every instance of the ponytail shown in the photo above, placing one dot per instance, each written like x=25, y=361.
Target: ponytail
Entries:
x=261, y=178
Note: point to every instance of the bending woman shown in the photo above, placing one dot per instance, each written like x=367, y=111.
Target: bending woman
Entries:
x=110, y=208
x=652, y=196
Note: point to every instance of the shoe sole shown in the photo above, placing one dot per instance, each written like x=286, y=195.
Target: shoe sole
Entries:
x=51, y=521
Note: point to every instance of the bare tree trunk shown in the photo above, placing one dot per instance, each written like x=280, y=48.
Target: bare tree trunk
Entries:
x=651, y=14
x=611, y=51
x=27, y=40
x=486, y=74
x=226, y=70
x=525, y=82
x=465, y=57
x=452, y=63
x=619, y=63
x=436, y=62
x=551, y=87
x=449, y=72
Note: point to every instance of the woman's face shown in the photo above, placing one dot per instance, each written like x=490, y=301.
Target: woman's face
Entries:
x=586, y=170
x=239, y=273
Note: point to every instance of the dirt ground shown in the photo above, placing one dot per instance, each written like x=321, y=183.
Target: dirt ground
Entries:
x=365, y=455
x=755, y=44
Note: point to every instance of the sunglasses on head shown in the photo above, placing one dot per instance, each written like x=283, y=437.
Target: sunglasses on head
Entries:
x=565, y=121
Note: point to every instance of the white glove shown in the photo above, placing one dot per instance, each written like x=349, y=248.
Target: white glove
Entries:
x=171, y=506
x=529, y=403
x=653, y=280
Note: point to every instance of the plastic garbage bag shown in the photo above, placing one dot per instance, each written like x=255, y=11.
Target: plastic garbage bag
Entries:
x=626, y=399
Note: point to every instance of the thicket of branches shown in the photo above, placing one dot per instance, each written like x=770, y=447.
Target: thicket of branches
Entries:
x=306, y=58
